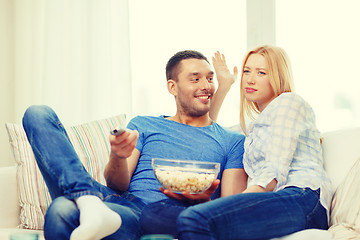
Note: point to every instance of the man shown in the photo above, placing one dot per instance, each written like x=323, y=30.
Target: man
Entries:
x=84, y=209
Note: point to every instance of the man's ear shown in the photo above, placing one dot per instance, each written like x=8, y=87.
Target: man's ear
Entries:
x=172, y=87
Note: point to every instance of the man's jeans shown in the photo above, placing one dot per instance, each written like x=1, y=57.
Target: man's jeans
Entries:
x=254, y=215
x=67, y=179
x=160, y=217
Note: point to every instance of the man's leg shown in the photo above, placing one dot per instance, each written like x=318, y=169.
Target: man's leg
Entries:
x=63, y=215
x=58, y=162
x=160, y=217
x=61, y=218
x=65, y=175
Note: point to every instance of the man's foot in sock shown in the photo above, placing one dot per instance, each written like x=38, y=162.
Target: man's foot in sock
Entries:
x=96, y=219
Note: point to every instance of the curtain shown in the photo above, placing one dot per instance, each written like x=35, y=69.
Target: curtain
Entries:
x=72, y=56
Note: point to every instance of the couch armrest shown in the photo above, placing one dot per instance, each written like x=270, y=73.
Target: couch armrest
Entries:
x=9, y=198
x=340, y=150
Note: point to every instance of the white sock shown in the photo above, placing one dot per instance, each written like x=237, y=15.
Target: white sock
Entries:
x=96, y=219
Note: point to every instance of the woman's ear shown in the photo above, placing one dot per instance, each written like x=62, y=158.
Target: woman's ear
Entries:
x=172, y=88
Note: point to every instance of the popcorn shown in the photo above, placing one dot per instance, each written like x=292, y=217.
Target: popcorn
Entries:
x=178, y=180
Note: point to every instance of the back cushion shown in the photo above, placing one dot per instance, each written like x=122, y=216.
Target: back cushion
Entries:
x=341, y=150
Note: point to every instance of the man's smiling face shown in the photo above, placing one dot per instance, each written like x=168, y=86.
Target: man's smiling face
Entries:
x=194, y=87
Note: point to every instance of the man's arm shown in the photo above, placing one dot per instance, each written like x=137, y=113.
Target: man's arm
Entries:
x=123, y=160
x=233, y=181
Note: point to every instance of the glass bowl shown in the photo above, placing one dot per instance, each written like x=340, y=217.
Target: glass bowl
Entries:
x=185, y=175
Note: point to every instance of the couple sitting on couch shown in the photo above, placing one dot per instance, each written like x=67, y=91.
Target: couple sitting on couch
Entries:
x=280, y=158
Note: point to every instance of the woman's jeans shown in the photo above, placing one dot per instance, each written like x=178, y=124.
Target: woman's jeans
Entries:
x=67, y=179
x=254, y=215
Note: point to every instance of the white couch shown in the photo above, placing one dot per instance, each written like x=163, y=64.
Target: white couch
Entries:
x=340, y=148
x=9, y=205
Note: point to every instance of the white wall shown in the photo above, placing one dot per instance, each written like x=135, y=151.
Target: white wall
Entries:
x=260, y=23
x=6, y=78
x=324, y=51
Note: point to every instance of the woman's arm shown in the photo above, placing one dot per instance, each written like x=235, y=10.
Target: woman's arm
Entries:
x=225, y=79
x=233, y=181
x=255, y=188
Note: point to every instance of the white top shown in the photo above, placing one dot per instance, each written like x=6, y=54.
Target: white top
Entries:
x=284, y=143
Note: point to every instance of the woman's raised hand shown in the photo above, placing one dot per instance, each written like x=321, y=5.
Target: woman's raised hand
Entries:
x=223, y=74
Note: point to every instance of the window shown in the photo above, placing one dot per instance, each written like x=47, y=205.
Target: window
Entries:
x=322, y=41
x=160, y=28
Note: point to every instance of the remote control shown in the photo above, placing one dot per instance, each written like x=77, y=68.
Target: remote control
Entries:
x=117, y=131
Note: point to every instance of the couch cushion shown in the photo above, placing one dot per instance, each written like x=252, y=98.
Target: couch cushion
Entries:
x=308, y=234
x=90, y=141
x=345, y=207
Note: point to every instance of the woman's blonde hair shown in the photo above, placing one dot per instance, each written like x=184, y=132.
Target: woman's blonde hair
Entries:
x=279, y=72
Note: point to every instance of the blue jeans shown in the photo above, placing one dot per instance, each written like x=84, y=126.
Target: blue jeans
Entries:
x=67, y=179
x=254, y=215
x=160, y=217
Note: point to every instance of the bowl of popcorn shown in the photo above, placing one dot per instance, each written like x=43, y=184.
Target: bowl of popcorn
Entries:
x=185, y=175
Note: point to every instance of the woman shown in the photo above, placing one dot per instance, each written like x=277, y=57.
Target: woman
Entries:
x=288, y=189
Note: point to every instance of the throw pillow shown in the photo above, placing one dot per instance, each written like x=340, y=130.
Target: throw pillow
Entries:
x=345, y=206
x=90, y=141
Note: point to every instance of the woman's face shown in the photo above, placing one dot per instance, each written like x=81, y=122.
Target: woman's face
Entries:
x=256, y=81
